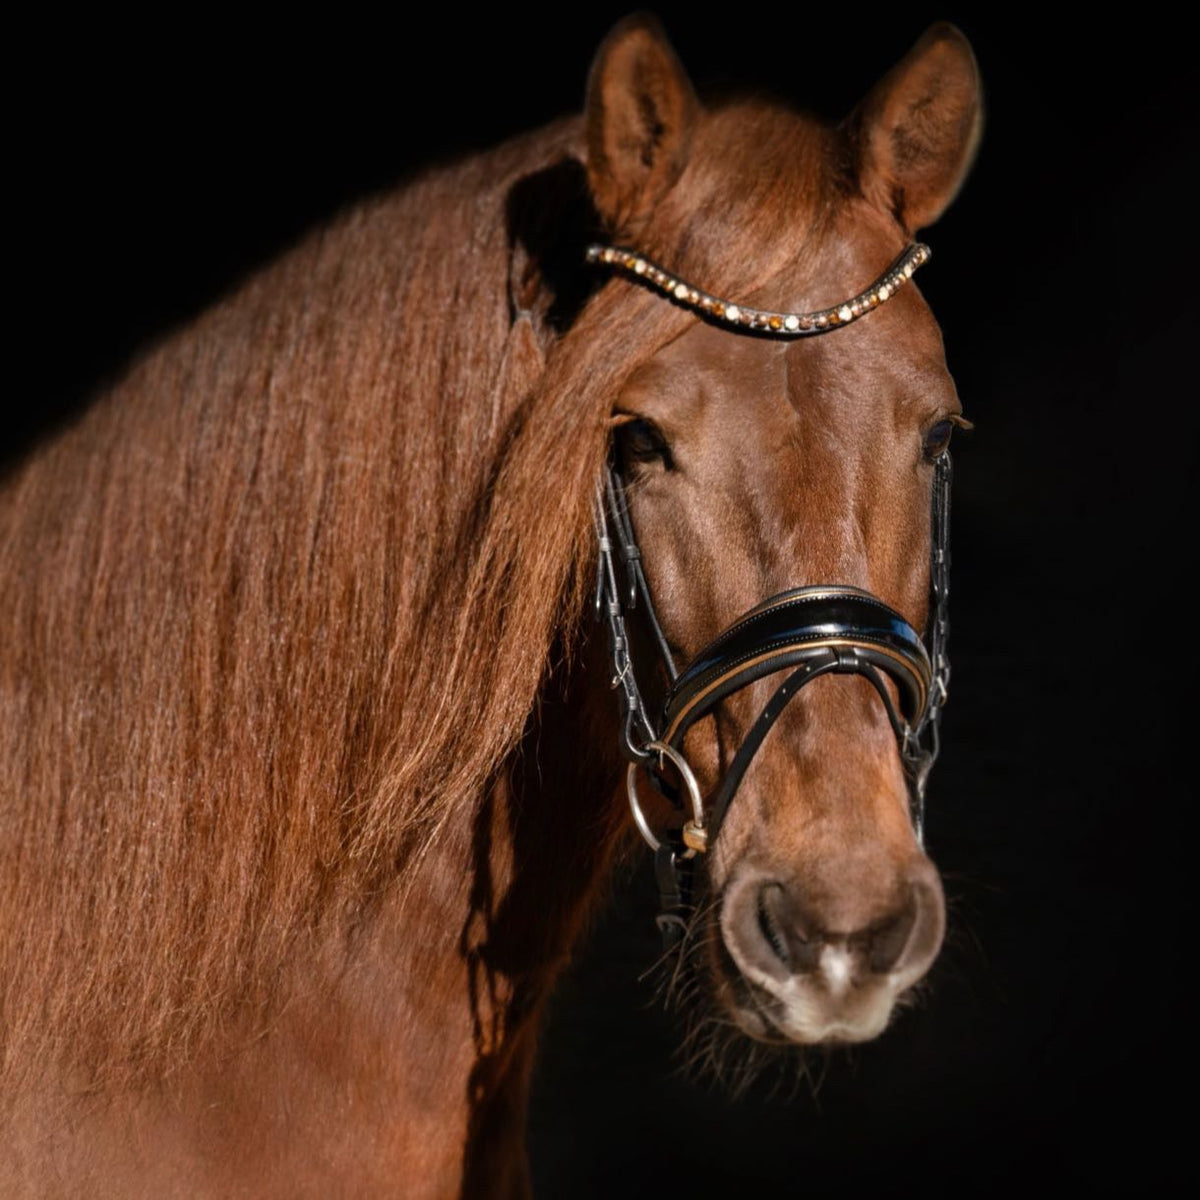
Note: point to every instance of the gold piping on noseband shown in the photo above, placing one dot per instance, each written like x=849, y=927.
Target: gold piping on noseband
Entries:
x=774, y=324
x=819, y=644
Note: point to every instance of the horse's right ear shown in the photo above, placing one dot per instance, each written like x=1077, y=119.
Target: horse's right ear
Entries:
x=641, y=112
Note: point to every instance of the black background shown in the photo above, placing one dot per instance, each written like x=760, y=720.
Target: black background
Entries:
x=153, y=165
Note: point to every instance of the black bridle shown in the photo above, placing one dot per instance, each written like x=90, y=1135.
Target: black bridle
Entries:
x=808, y=631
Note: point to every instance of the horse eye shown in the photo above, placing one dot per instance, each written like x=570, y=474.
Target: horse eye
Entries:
x=643, y=441
x=937, y=439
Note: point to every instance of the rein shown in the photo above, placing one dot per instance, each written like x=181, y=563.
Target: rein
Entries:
x=808, y=631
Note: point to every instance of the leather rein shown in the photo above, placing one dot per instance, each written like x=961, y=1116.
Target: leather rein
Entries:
x=807, y=631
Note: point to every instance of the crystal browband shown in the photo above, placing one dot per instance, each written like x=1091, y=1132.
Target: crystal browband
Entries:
x=774, y=324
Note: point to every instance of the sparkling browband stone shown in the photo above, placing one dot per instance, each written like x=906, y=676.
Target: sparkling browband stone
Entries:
x=774, y=324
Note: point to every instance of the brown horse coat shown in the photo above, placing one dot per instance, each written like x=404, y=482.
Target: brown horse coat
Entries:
x=306, y=779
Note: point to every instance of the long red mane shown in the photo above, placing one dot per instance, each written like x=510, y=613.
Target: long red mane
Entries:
x=282, y=598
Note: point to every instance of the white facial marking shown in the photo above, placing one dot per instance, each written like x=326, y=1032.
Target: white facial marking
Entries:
x=835, y=962
x=819, y=1006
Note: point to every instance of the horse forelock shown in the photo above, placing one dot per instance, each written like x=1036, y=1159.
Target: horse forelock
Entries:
x=759, y=191
x=280, y=602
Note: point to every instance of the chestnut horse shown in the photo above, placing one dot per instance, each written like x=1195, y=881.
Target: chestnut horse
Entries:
x=310, y=762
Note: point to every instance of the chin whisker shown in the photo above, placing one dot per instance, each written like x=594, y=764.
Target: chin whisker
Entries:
x=731, y=1038
x=714, y=1048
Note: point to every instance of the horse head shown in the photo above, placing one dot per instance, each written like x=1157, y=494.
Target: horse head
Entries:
x=751, y=465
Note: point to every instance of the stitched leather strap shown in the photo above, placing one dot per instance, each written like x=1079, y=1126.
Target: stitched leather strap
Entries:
x=807, y=624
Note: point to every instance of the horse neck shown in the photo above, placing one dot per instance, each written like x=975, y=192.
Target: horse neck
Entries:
x=424, y=989
x=432, y=1012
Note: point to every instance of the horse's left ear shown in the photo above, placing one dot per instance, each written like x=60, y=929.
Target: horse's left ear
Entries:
x=641, y=112
x=918, y=130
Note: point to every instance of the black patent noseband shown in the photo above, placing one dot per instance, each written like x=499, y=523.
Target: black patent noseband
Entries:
x=807, y=631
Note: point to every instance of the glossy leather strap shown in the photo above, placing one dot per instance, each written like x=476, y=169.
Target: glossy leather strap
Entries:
x=827, y=623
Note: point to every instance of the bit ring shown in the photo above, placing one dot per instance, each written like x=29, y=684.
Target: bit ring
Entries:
x=695, y=836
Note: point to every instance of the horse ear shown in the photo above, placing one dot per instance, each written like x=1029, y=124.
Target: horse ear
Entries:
x=640, y=115
x=919, y=128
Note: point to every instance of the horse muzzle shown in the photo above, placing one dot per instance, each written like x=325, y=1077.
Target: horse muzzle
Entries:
x=818, y=965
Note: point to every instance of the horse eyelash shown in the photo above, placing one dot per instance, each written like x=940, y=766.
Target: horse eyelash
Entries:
x=661, y=450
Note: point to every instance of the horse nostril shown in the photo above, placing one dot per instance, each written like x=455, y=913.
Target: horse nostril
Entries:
x=790, y=937
x=886, y=943
x=923, y=930
x=769, y=929
x=847, y=938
